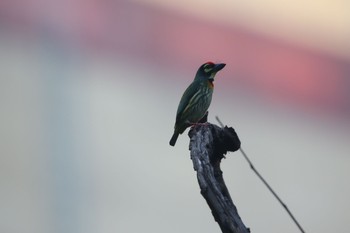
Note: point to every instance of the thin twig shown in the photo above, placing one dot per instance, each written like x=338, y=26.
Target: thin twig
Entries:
x=267, y=185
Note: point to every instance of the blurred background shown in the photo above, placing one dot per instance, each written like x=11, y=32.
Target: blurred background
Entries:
x=89, y=91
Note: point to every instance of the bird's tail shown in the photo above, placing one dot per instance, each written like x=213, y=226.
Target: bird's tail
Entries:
x=173, y=139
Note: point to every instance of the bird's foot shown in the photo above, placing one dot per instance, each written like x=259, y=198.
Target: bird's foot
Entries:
x=199, y=124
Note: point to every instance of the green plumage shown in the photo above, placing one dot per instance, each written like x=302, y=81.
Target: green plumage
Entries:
x=196, y=99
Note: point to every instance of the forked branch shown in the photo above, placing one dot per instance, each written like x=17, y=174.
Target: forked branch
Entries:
x=208, y=145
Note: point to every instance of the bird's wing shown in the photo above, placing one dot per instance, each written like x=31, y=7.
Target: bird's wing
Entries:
x=186, y=99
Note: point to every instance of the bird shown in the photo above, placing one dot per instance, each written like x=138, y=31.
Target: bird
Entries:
x=196, y=99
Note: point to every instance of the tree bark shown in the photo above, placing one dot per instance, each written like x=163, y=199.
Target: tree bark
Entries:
x=208, y=145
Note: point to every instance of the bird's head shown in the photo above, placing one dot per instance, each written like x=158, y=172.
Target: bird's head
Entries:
x=208, y=70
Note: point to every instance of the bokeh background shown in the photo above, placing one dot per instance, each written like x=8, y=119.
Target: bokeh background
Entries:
x=88, y=96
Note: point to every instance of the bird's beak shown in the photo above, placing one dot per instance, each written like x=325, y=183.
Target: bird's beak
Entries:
x=218, y=67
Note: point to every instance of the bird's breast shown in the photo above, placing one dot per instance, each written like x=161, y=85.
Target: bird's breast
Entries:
x=210, y=84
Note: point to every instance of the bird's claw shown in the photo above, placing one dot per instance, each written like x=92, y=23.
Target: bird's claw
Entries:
x=199, y=124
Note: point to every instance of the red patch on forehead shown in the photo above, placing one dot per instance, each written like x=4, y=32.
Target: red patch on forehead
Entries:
x=210, y=63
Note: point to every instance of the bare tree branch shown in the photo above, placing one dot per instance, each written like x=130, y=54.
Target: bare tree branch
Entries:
x=208, y=145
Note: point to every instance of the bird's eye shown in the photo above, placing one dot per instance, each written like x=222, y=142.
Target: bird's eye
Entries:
x=207, y=68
